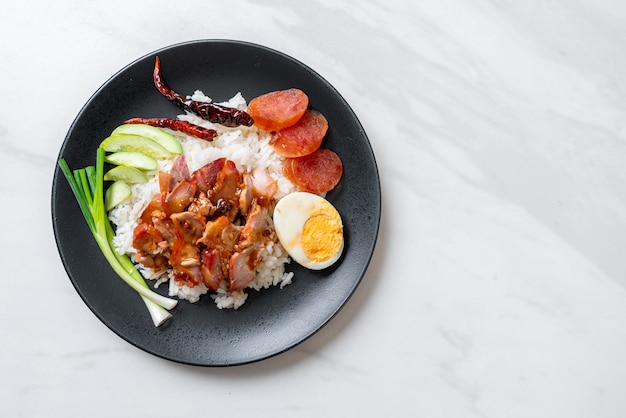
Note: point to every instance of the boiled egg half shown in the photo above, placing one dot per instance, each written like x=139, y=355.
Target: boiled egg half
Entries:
x=310, y=229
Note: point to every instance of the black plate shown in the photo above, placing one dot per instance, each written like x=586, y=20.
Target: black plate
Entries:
x=271, y=321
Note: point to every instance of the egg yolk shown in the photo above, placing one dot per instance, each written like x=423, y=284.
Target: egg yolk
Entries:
x=322, y=235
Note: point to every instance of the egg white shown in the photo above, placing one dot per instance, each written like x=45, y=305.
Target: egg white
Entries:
x=290, y=214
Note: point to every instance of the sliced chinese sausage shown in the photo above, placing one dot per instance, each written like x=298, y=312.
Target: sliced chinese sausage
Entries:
x=316, y=173
x=279, y=109
x=302, y=138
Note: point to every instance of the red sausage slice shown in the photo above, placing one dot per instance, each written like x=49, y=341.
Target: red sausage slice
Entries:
x=302, y=138
x=316, y=173
x=279, y=109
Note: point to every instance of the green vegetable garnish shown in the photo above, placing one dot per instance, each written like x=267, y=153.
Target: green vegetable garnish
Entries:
x=117, y=193
x=130, y=175
x=135, y=143
x=87, y=184
x=132, y=159
x=165, y=139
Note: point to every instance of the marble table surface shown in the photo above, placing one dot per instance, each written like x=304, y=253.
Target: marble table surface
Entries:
x=497, y=287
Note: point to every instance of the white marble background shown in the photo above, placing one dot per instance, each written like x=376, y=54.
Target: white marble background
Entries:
x=497, y=288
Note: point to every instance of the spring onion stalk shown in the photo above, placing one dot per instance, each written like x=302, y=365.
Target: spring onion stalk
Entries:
x=158, y=314
x=88, y=187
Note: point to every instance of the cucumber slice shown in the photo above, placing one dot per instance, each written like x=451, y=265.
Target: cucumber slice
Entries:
x=165, y=139
x=117, y=193
x=130, y=175
x=132, y=159
x=135, y=143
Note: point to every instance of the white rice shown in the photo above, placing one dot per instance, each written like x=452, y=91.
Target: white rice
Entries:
x=248, y=148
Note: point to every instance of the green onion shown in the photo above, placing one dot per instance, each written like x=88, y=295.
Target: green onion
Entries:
x=87, y=184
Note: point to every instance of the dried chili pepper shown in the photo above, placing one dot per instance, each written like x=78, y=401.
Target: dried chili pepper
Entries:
x=227, y=116
x=178, y=125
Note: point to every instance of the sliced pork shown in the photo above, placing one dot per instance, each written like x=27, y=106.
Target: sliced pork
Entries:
x=208, y=226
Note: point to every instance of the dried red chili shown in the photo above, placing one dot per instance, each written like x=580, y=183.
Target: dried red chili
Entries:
x=212, y=112
x=177, y=125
